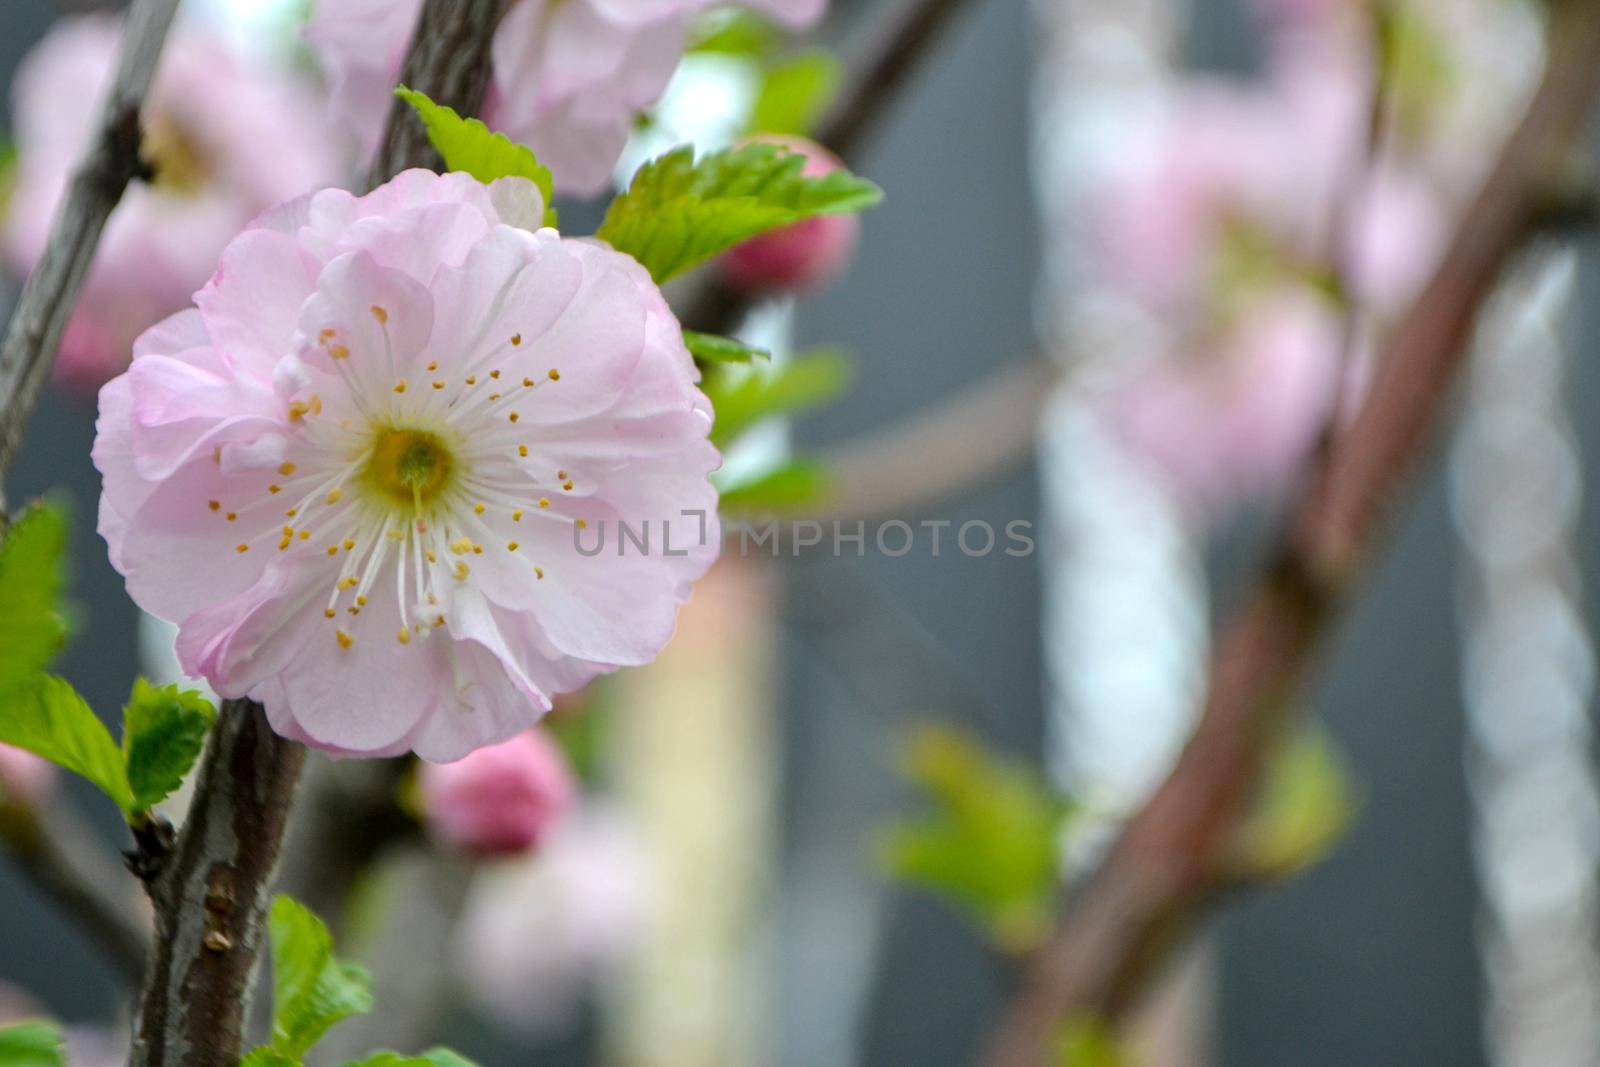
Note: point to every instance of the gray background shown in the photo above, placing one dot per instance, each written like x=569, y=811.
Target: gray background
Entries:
x=1367, y=960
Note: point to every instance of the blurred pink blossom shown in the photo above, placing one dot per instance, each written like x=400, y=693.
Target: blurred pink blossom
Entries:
x=571, y=77
x=24, y=777
x=801, y=256
x=499, y=800
x=226, y=139
x=1237, y=417
x=539, y=931
x=354, y=473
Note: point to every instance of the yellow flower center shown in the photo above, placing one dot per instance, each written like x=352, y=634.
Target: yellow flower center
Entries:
x=410, y=467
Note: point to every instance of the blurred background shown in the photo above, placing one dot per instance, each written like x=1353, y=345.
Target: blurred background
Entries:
x=724, y=893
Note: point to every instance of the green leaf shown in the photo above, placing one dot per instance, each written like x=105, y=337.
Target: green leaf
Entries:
x=989, y=843
x=48, y=718
x=32, y=630
x=33, y=1044
x=711, y=348
x=742, y=397
x=311, y=990
x=732, y=32
x=468, y=145
x=434, y=1057
x=264, y=1056
x=679, y=212
x=163, y=731
x=1305, y=805
x=794, y=94
x=1087, y=1041
x=791, y=486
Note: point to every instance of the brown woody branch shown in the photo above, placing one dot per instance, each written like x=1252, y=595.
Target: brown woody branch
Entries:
x=213, y=890
x=1160, y=878
x=51, y=291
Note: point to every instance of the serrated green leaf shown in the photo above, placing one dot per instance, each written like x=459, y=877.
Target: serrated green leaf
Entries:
x=794, y=94
x=311, y=989
x=32, y=630
x=792, y=486
x=47, y=717
x=263, y=1056
x=434, y=1057
x=32, y=1044
x=469, y=146
x=991, y=840
x=678, y=212
x=713, y=348
x=741, y=397
x=163, y=731
x=1305, y=805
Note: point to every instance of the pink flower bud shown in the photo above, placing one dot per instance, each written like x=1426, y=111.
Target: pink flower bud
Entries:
x=24, y=777
x=499, y=800
x=801, y=256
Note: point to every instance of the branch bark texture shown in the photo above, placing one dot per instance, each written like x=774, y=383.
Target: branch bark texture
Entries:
x=1165, y=870
x=51, y=291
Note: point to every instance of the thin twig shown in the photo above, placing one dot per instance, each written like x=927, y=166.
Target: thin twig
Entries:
x=51, y=291
x=1159, y=879
x=61, y=855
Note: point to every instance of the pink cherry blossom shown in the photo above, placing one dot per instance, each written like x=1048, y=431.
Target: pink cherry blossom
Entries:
x=356, y=474
x=499, y=800
x=24, y=777
x=801, y=256
x=1237, y=417
x=570, y=76
x=226, y=139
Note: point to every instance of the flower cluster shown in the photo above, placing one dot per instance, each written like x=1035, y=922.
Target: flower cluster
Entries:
x=501, y=800
x=571, y=77
x=353, y=474
x=225, y=139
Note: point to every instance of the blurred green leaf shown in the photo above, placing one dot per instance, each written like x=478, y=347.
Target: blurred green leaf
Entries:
x=1305, y=805
x=163, y=731
x=742, y=397
x=679, y=211
x=792, y=486
x=991, y=840
x=468, y=145
x=262, y=1056
x=1086, y=1041
x=31, y=1044
x=733, y=32
x=311, y=990
x=47, y=717
x=434, y=1057
x=795, y=91
x=32, y=629
x=712, y=348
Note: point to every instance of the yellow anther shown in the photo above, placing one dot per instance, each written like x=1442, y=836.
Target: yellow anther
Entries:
x=328, y=613
x=511, y=546
x=349, y=544
x=326, y=334
x=567, y=485
x=555, y=375
x=539, y=571
x=334, y=495
x=286, y=469
x=494, y=374
x=333, y=550
x=339, y=352
x=477, y=549
x=284, y=543
x=494, y=396
x=233, y=516
x=472, y=379
x=274, y=489
x=288, y=531
x=297, y=410
x=433, y=364
x=514, y=416
x=214, y=505
x=305, y=535
x=380, y=314
x=404, y=636
x=345, y=640
x=432, y=556
x=544, y=502
x=582, y=525
x=361, y=601
x=349, y=583
x=561, y=474
x=516, y=516
x=461, y=545
x=462, y=570
x=527, y=383
x=291, y=513
x=516, y=339
x=400, y=386
x=438, y=385
x=477, y=509
x=522, y=450
x=241, y=548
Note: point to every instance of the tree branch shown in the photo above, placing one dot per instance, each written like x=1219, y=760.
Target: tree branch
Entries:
x=1161, y=876
x=213, y=891
x=449, y=59
x=60, y=854
x=212, y=894
x=52, y=288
